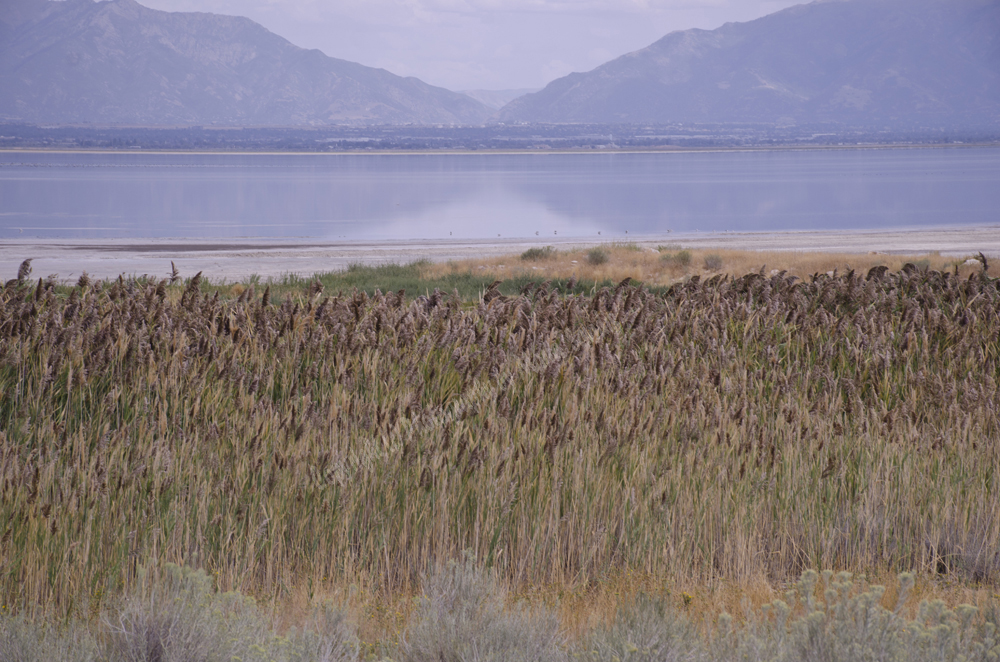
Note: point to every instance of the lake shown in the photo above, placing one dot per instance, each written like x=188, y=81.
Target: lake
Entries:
x=400, y=196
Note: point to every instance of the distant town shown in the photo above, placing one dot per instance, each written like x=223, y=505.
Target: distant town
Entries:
x=496, y=137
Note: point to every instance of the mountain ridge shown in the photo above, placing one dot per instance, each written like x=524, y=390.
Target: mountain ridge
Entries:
x=843, y=61
x=120, y=62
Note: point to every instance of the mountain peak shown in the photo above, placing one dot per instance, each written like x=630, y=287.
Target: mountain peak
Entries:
x=121, y=62
x=912, y=62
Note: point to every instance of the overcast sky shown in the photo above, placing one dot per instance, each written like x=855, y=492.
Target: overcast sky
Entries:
x=480, y=44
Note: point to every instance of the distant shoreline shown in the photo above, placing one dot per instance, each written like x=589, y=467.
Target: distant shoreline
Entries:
x=235, y=259
x=512, y=152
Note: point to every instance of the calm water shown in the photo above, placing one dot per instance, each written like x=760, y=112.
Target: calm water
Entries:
x=428, y=196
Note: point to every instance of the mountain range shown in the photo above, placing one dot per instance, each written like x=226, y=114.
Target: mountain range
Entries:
x=119, y=62
x=898, y=63
x=855, y=62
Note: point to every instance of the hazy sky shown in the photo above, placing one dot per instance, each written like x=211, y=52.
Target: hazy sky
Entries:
x=480, y=44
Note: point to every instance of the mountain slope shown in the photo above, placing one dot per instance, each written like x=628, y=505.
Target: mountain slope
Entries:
x=497, y=99
x=852, y=61
x=120, y=62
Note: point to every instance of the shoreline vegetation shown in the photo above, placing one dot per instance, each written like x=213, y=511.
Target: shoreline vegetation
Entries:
x=236, y=260
x=484, y=138
x=589, y=268
x=608, y=453
x=384, y=151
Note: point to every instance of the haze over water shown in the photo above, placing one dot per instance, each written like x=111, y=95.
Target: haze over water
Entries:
x=378, y=197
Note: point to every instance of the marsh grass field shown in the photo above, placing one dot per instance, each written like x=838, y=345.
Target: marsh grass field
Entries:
x=568, y=446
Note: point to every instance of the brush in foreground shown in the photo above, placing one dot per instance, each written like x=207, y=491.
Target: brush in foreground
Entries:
x=464, y=615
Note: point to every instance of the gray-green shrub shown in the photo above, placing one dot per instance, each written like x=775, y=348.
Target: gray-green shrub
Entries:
x=328, y=637
x=462, y=618
x=536, y=254
x=680, y=259
x=596, y=256
x=178, y=617
x=713, y=262
x=648, y=631
x=24, y=640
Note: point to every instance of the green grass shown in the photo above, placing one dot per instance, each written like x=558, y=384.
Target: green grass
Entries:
x=411, y=279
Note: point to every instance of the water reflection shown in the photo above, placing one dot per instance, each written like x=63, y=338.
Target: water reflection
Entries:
x=477, y=196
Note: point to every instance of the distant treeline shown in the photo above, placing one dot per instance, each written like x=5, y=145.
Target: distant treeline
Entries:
x=488, y=137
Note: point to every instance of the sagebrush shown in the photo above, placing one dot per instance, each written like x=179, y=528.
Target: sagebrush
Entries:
x=465, y=615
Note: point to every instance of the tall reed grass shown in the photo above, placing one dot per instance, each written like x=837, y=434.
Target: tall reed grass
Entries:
x=721, y=428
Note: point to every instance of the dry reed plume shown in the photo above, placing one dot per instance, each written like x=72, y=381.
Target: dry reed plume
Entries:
x=723, y=428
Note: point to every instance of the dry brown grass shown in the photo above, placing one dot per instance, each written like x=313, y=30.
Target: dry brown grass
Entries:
x=652, y=264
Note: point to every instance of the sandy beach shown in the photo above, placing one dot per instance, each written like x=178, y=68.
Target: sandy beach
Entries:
x=235, y=259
